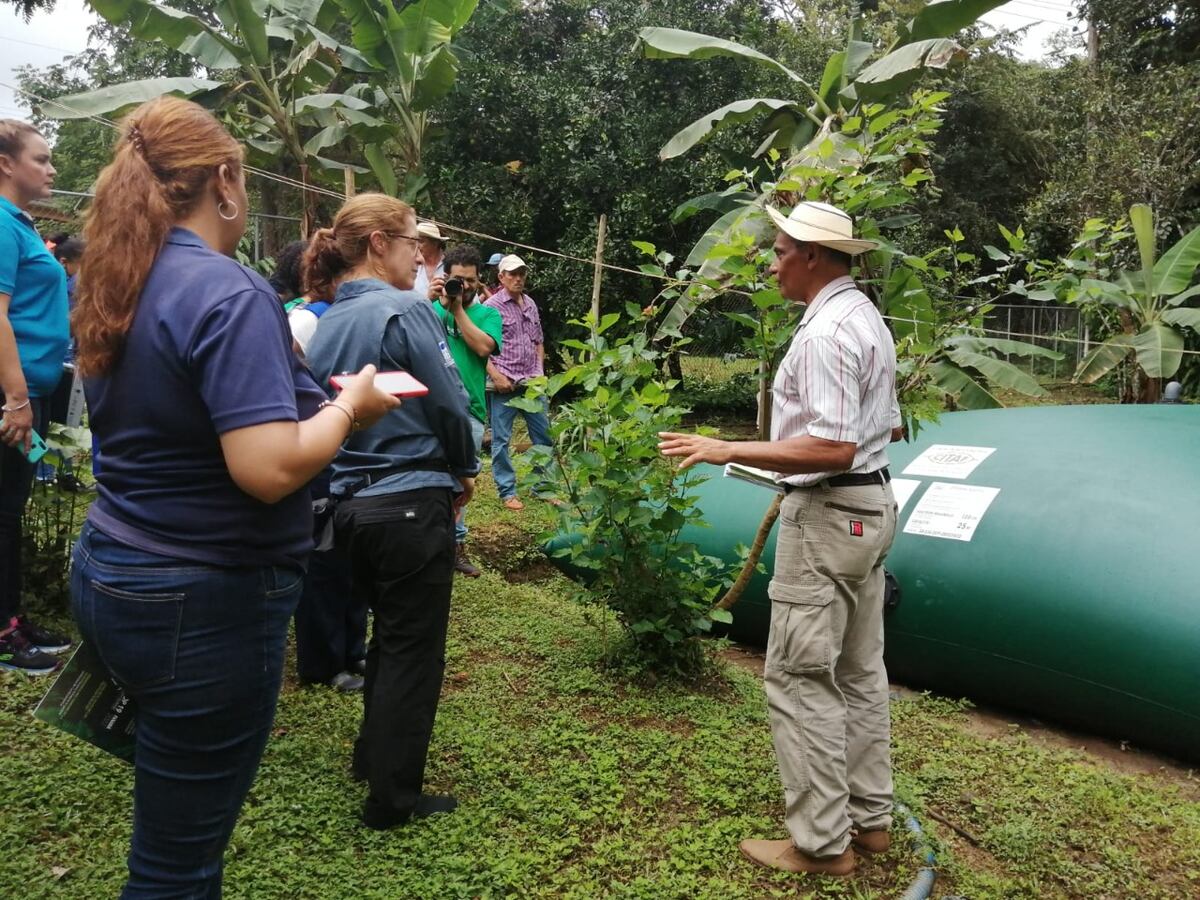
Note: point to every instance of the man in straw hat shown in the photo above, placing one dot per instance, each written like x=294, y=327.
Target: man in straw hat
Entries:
x=834, y=413
x=433, y=255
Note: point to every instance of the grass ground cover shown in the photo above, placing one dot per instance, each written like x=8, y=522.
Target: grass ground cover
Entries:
x=578, y=782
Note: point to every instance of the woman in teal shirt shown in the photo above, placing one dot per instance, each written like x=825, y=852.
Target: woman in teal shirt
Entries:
x=33, y=346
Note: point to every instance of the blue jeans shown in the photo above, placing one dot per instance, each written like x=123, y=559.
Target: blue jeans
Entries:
x=460, y=524
x=502, y=418
x=200, y=651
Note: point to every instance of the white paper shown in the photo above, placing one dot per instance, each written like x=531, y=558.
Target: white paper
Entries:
x=902, y=490
x=760, y=477
x=948, y=461
x=950, y=511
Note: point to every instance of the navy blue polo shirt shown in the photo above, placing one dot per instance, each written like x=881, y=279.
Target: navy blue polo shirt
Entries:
x=37, y=286
x=209, y=351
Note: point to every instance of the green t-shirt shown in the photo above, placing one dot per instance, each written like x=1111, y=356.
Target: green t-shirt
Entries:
x=471, y=366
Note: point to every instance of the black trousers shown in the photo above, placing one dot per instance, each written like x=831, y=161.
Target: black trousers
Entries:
x=401, y=550
x=331, y=618
x=16, y=480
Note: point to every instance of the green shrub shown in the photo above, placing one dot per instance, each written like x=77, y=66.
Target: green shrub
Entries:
x=53, y=517
x=623, y=505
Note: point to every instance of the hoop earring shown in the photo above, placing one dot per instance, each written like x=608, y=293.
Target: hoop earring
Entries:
x=230, y=217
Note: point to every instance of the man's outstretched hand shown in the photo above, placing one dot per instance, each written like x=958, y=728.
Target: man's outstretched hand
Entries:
x=694, y=448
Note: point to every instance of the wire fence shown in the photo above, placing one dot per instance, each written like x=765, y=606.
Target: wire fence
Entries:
x=1050, y=326
x=716, y=352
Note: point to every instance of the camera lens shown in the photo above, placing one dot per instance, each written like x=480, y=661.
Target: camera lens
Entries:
x=453, y=287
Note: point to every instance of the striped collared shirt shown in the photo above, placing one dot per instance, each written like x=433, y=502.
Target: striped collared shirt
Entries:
x=838, y=379
x=518, y=358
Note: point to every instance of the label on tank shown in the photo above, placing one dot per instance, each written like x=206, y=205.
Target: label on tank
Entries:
x=902, y=490
x=950, y=511
x=948, y=461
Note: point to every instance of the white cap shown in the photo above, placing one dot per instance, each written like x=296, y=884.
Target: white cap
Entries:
x=820, y=223
x=511, y=262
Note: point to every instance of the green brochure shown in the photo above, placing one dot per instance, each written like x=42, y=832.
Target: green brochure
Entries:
x=85, y=701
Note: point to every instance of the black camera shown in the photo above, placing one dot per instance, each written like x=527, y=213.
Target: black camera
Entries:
x=453, y=287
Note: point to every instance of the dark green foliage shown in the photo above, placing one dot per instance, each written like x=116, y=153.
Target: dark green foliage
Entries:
x=53, y=518
x=623, y=502
x=554, y=120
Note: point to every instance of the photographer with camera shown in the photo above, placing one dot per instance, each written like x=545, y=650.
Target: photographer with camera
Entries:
x=472, y=334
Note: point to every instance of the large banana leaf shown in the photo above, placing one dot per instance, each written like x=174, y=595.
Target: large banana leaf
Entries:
x=1159, y=350
x=946, y=19
x=1003, y=345
x=1179, y=298
x=119, y=97
x=966, y=391
x=1141, y=217
x=702, y=128
x=367, y=28
x=718, y=202
x=328, y=101
x=382, y=167
x=1188, y=318
x=248, y=18
x=842, y=67
x=900, y=68
x=672, y=43
x=1173, y=273
x=178, y=30
x=1103, y=359
x=304, y=10
x=744, y=218
x=436, y=73
x=996, y=371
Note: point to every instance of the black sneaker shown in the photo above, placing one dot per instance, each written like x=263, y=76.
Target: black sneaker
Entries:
x=41, y=638
x=17, y=654
x=427, y=805
x=347, y=682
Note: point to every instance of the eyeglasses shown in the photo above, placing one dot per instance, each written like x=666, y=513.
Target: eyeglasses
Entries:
x=405, y=237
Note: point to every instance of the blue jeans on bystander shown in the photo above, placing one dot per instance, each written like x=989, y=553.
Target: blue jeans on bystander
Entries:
x=502, y=417
x=200, y=650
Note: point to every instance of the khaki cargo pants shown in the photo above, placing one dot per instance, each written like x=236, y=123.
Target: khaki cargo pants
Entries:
x=827, y=689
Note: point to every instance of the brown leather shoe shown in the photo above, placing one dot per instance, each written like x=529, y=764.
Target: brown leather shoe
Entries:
x=462, y=564
x=514, y=504
x=869, y=843
x=784, y=855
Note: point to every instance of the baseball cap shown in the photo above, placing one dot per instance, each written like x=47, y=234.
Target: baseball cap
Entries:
x=511, y=262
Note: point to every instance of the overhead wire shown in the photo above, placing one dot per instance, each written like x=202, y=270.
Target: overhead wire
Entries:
x=300, y=185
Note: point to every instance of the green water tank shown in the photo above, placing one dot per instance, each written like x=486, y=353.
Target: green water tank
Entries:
x=1045, y=561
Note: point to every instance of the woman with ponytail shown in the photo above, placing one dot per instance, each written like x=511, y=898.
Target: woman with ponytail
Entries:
x=397, y=489
x=190, y=563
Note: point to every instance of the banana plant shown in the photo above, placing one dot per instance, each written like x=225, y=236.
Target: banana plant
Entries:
x=277, y=77
x=1151, y=305
x=849, y=79
x=809, y=130
x=413, y=67
x=291, y=90
x=943, y=356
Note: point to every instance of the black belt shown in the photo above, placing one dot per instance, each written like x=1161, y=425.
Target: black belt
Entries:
x=879, y=476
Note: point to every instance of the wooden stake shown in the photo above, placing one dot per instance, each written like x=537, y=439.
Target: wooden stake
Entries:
x=350, y=190
x=601, y=233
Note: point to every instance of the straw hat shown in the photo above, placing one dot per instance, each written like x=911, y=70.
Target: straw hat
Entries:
x=429, y=230
x=820, y=223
